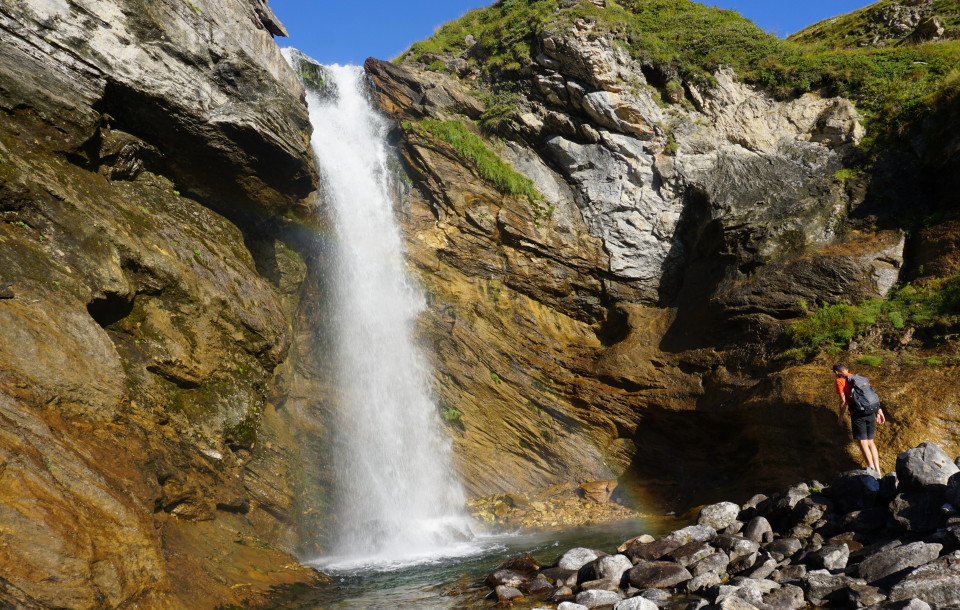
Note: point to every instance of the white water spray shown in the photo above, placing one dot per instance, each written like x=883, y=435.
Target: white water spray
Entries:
x=399, y=501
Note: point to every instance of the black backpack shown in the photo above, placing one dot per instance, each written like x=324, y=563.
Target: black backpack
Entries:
x=863, y=398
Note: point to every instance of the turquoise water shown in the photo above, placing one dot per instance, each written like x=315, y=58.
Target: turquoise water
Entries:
x=455, y=583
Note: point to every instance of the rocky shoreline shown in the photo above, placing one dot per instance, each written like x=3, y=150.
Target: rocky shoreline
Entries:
x=864, y=541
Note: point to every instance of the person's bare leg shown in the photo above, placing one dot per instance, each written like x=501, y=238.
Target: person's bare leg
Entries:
x=876, y=456
x=868, y=453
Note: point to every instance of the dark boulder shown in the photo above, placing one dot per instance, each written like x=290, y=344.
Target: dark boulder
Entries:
x=882, y=568
x=659, y=574
x=787, y=597
x=537, y=586
x=715, y=563
x=783, y=548
x=820, y=584
x=691, y=553
x=524, y=563
x=854, y=490
x=953, y=490
x=560, y=576
x=919, y=511
x=659, y=548
x=758, y=530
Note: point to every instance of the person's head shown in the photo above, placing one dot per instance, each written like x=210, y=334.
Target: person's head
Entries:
x=840, y=369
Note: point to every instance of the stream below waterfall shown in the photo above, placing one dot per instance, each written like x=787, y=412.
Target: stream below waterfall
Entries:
x=456, y=583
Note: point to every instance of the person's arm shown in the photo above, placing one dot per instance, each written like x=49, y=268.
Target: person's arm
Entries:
x=842, y=409
x=880, y=416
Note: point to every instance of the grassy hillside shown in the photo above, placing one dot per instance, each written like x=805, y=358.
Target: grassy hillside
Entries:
x=682, y=41
x=871, y=26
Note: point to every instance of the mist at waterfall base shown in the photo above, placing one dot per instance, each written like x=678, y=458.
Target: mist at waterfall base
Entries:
x=398, y=500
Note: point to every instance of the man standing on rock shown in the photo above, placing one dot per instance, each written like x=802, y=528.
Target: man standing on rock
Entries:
x=863, y=425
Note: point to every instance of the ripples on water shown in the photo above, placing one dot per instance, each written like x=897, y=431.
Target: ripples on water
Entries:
x=455, y=580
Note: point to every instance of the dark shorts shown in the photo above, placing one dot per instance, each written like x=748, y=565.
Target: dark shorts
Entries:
x=864, y=426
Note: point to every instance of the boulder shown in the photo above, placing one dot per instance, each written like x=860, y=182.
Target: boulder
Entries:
x=912, y=604
x=703, y=581
x=746, y=589
x=888, y=487
x=571, y=606
x=811, y=509
x=744, y=562
x=659, y=596
x=787, y=597
x=505, y=593
x=868, y=519
x=524, y=563
x=561, y=594
x=576, y=558
x=560, y=576
x=953, y=490
x=763, y=568
x=636, y=603
x=855, y=595
x=734, y=528
x=758, y=530
x=718, y=516
x=854, y=490
x=920, y=511
x=937, y=582
x=923, y=466
x=819, y=584
x=717, y=563
x=659, y=574
x=537, y=586
x=691, y=553
x=612, y=567
x=601, y=583
x=880, y=568
x=510, y=578
x=735, y=546
x=594, y=598
x=830, y=557
x=669, y=543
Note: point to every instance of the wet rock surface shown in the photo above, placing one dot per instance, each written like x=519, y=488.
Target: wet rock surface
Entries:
x=836, y=563
x=150, y=294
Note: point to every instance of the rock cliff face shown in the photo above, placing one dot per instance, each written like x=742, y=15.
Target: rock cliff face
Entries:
x=632, y=330
x=148, y=156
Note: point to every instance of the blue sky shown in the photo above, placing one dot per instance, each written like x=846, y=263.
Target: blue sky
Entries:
x=349, y=31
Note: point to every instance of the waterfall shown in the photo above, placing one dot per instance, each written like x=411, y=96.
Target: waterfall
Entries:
x=398, y=499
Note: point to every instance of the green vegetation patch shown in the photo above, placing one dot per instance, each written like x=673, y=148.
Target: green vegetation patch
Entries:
x=683, y=41
x=489, y=165
x=831, y=327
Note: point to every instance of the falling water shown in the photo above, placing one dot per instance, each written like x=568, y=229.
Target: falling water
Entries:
x=399, y=501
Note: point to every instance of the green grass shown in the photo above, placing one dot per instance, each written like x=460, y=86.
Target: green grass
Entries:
x=861, y=27
x=831, y=327
x=451, y=414
x=682, y=41
x=489, y=165
x=870, y=360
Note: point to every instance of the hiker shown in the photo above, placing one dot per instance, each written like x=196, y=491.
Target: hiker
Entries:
x=863, y=424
